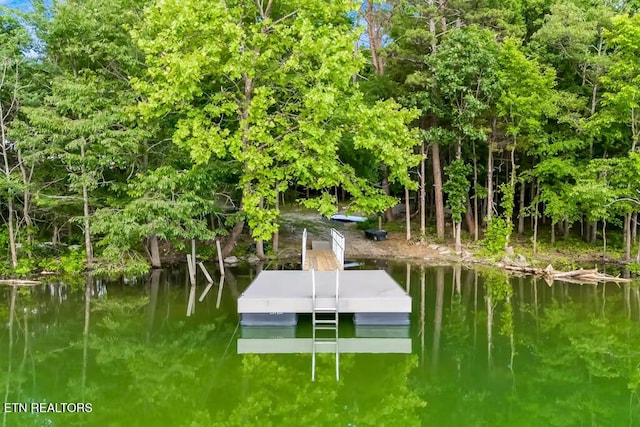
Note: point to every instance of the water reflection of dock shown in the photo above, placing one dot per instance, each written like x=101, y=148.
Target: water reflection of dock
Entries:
x=305, y=345
x=282, y=340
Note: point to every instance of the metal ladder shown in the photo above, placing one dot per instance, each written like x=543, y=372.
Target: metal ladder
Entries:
x=324, y=319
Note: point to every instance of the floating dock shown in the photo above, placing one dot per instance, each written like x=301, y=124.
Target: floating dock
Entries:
x=276, y=297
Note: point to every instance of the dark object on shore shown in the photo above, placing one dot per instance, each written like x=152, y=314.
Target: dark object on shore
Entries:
x=265, y=246
x=373, y=234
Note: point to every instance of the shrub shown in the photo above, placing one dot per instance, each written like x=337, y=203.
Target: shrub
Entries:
x=496, y=236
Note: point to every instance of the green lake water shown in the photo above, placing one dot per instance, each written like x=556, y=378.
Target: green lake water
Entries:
x=486, y=350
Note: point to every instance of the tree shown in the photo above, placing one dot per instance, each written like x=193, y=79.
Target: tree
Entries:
x=273, y=92
x=13, y=39
x=622, y=82
x=526, y=100
x=86, y=121
x=457, y=189
x=464, y=89
x=166, y=204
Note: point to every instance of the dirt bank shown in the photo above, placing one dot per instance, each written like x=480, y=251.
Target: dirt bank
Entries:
x=396, y=246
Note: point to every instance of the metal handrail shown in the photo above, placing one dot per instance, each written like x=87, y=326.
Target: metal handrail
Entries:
x=337, y=245
x=304, y=247
x=337, y=290
x=313, y=290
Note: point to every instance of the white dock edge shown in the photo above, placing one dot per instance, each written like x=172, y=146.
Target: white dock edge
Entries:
x=305, y=345
x=371, y=293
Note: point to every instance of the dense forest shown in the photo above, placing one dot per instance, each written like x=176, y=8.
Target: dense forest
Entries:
x=131, y=125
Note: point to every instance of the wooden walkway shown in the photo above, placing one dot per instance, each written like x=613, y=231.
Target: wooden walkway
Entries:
x=321, y=260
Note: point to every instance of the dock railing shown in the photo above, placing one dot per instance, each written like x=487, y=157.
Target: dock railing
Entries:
x=304, y=247
x=337, y=245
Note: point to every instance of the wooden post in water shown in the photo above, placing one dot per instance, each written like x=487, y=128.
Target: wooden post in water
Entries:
x=192, y=270
x=205, y=272
x=220, y=262
x=220, y=291
x=191, y=306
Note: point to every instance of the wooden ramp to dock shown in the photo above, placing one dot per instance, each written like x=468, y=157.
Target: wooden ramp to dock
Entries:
x=324, y=255
x=321, y=260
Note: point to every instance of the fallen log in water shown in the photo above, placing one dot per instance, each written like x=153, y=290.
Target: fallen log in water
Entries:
x=18, y=282
x=575, y=276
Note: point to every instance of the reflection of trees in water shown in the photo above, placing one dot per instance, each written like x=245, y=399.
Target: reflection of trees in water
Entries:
x=573, y=351
x=566, y=355
x=276, y=390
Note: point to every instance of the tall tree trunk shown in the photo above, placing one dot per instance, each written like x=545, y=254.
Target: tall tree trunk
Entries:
x=7, y=173
x=407, y=213
x=437, y=185
x=375, y=34
x=388, y=214
x=627, y=237
x=585, y=229
x=55, y=235
x=26, y=179
x=457, y=227
x=233, y=238
x=260, y=249
x=535, y=218
x=567, y=227
x=423, y=192
x=85, y=207
x=553, y=232
x=512, y=188
x=594, y=232
x=435, y=148
x=475, y=193
x=260, y=243
x=470, y=219
x=634, y=227
x=12, y=233
x=532, y=195
x=604, y=238
x=244, y=116
x=521, y=210
x=490, y=183
x=276, y=234
x=154, y=251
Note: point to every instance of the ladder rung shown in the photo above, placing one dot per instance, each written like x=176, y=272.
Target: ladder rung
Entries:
x=325, y=309
x=331, y=321
x=326, y=327
x=326, y=342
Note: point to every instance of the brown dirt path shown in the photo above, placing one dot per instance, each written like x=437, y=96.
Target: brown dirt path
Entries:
x=357, y=246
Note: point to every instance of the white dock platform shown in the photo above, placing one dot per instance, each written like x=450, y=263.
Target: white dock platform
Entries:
x=365, y=293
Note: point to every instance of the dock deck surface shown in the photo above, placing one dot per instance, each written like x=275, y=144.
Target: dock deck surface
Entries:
x=289, y=291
